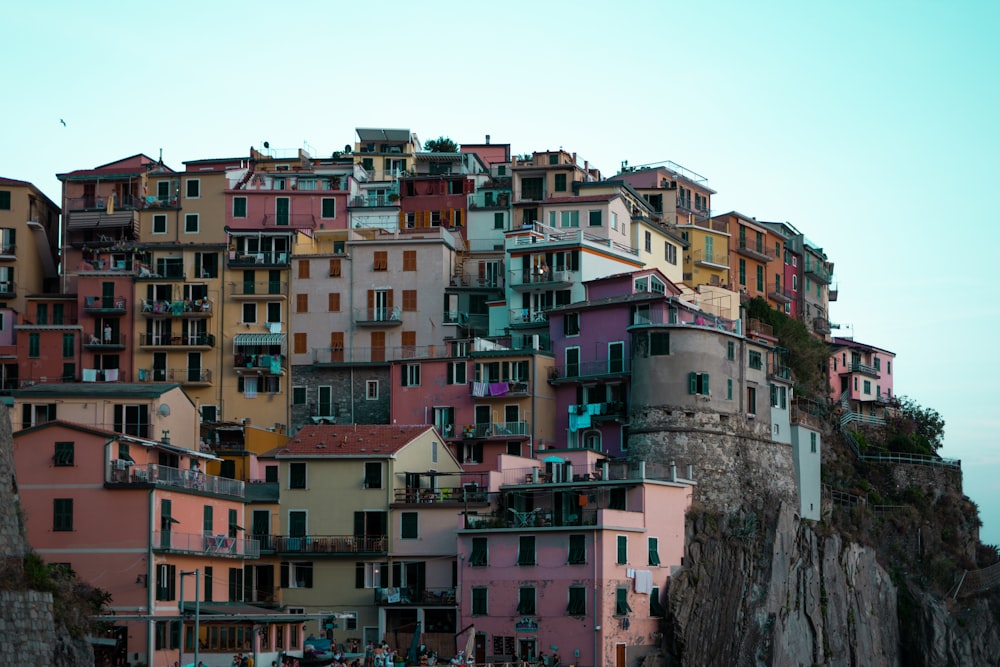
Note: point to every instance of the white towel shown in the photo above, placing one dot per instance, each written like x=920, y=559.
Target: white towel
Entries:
x=111, y=375
x=644, y=581
x=90, y=375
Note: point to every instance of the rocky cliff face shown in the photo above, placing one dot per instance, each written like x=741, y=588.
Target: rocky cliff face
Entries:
x=760, y=588
x=29, y=634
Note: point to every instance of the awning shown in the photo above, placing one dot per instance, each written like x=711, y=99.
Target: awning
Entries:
x=554, y=459
x=99, y=219
x=259, y=340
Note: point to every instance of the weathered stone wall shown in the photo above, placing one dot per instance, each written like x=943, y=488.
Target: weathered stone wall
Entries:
x=932, y=480
x=350, y=398
x=734, y=460
x=12, y=543
x=26, y=628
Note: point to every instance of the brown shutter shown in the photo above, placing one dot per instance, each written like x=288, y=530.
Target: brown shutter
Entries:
x=388, y=301
x=371, y=299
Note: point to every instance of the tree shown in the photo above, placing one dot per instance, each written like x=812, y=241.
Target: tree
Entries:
x=808, y=356
x=923, y=426
x=441, y=145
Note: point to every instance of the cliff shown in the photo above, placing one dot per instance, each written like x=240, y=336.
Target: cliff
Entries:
x=31, y=633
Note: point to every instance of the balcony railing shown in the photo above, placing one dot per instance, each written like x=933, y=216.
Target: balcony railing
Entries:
x=780, y=295
x=589, y=369
x=865, y=369
x=605, y=471
x=268, y=258
x=373, y=201
x=177, y=340
x=269, y=363
x=206, y=545
x=414, y=595
x=819, y=272
x=489, y=200
x=821, y=325
x=542, y=278
x=196, y=308
x=455, y=494
x=715, y=260
x=266, y=288
x=500, y=430
x=469, y=280
x=121, y=472
x=378, y=316
x=754, y=251
x=330, y=544
x=8, y=250
x=190, y=375
x=527, y=317
x=503, y=389
x=686, y=318
x=98, y=341
x=289, y=220
x=7, y=289
x=123, y=203
x=103, y=304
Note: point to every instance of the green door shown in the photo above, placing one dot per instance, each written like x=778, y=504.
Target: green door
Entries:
x=281, y=211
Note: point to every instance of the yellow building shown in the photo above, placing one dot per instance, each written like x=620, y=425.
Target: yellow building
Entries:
x=706, y=261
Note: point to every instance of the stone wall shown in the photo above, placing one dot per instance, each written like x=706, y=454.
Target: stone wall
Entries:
x=26, y=628
x=734, y=460
x=350, y=399
x=12, y=543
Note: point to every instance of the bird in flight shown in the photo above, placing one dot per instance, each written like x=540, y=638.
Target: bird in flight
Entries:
x=63, y=122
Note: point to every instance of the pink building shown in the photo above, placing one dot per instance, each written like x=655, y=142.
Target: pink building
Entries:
x=861, y=378
x=48, y=345
x=572, y=560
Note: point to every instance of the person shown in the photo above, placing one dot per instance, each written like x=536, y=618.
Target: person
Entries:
x=555, y=660
x=107, y=333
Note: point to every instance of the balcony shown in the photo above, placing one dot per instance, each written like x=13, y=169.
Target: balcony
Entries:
x=114, y=305
x=269, y=259
x=516, y=389
x=222, y=546
x=289, y=221
x=193, y=377
x=541, y=279
x=366, y=355
x=374, y=201
x=779, y=296
x=832, y=292
x=864, y=369
x=502, y=430
x=265, y=290
x=7, y=290
x=378, y=317
x=112, y=341
x=685, y=318
x=821, y=325
x=495, y=200
x=524, y=317
x=271, y=364
x=589, y=370
x=819, y=272
x=123, y=473
x=602, y=412
x=710, y=260
x=197, y=341
x=755, y=251
x=712, y=225
x=456, y=494
x=94, y=203
x=159, y=310
x=476, y=282
x=411, y=595
x=330, y=544
x=8, y=251
x=161, y=273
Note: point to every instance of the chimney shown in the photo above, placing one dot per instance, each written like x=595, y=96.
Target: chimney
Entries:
x=487, y=139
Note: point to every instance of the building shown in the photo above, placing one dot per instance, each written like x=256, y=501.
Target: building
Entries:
x=48, y=348
x=861, y=379
x=29, y=238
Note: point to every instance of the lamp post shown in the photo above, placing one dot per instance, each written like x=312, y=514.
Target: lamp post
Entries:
x=197, y=614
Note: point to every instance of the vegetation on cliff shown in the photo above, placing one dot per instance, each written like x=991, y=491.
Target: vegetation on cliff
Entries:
x=808, y=356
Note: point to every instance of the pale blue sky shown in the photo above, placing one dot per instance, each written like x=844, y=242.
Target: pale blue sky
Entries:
x=871, y=126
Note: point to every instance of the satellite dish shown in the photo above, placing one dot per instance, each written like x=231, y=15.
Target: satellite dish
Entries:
x=163, y=410
x=267, y=144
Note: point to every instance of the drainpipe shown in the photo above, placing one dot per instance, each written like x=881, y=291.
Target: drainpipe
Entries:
x=150, y=579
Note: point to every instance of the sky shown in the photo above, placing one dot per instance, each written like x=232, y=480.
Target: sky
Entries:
x=870, y=126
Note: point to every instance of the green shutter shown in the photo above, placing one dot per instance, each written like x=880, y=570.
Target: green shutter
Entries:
x=704, y=384
x=621, y=602
x=654, y=551
x=408, y=525
x=622, y=549
x=729, y=389
x=692, y=383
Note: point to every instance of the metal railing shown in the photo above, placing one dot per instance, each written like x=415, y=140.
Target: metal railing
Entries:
x=496, y=430
x=125, y=202
x=121, y=472
x=260, y=288
x=540, y=276
x=589, y=369
x=503, y=389
x=289, y=220
x=490, y=200
x=266, y=258
x=189, y=308
x=450, y=494
x=177, y=340
x=185, y=375
x=373, y=201
x=389, y=315
x=414, y=595
x=206, y=545
x=715, y=258
x=527, y=316
x=858, y=367
x=755, y=250
x=100, y=339
x=99, y=303
x=329, y=544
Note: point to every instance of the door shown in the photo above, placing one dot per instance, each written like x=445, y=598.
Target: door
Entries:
x=483, y=420
x=616, y=357
x=480, y=649
x=619, y=655
x=260, y=528
x=527, y=649
x=572, y=362
x=512, y=419
x=281, y=211
x=159, y=367
x=194, y=367
x=107, y=295
x=378, y=345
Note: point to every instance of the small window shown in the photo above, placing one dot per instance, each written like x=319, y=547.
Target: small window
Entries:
x=457, y=372
x=526, y=600
x=303, y=269
x=333, y=302
x=298, y=395
x=654, y=551
x=239, y=207
x=64, y=454
x=698, y=384
x=380, y=261
x=301, y=303
x=755, y=360
x=408, y=526
x=731, y=350
x=526, y=550
x=334, y=268
x=621, y=602
x=191, y=223
x=659, y=343
x=812, y=443
x=296, y=475
x=4, y=200
x=410, y=300
x=62, y=514
x=410, y=375
x=577, y=550
x=34, y=346
x=622, y=550
x=300, y=343
x=571, y=324
x=159, y=224
x=409, y=260
x=192, y=188
x=498, y=220
x=373, y=475
x=480, y=595
x=329, y=208
x=596, y=218
x=577, y=605
x=479, y=557
x=249, y=313
x=560, y=183
x=371, y=390
x=656, y=609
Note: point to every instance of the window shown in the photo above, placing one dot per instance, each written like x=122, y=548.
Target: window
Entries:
x=729, y=389
x=577, y=550
x=209, y=413
x=812, y=443
x=648, y=241
x=295, y=574
x=373, y=475
x=760, y=278
x=577, y=605
x=297, y=523
x=333, y=302
x=621, y=602
x=795, y=283
x=622, y=550
x=479, y=557
x=408, y=526
x=410, y=374
x=755, y=360
x=34, y=345
x=192, y=188
x=731, y=350
x=457, y=372
x=571, y=324
x=560, y=183
x=328, y=208
x=303, y=269
x=62, y=514
x=299, y=395
x=334, y=268
x=159, y=224
x=410, y=300
x=4, y=200
x=751, y=400
x=779, y=397
x=64, y=454
x=616, y=357
x=166, y=579
x=670, y=253
x=296, y=475
x=526, y=600
x=569, y=218
x=302, y=303
x=743, y=272
x=381, y=261
x=299, y=343
x=596, y=218
x=371, y=390
x=249, y=313
x=698, y=384
x=409, y=260
x=239, y=207
x=68, y=346
x=654, y=550
x=132, y=420
x=656, y=609
x=480, y=596
x=498, y=220
x=867, y=387
x=191, y=224
x=526, y=550
x=659, y=343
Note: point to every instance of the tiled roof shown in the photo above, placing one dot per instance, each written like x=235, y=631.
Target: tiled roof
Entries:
x=97, y=389
x=350, y=440
x=13, y=181
x=583, y=200
x=131, y=166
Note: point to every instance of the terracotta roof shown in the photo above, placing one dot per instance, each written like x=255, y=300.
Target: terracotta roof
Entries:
x=351, y=440
x=131, y=166
x=582, y=199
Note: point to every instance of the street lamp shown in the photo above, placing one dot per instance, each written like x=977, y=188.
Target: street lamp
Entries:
x=197, y=613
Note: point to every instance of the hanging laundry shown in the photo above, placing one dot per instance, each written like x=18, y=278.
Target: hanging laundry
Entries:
x=498, y=388
x=479, y=389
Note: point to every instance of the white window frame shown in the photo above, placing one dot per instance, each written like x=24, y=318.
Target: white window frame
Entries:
x=411, y=375
x=369, y=384
x=161, y=217
x=455, y=365
x=197, y=220
x=187, y=184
